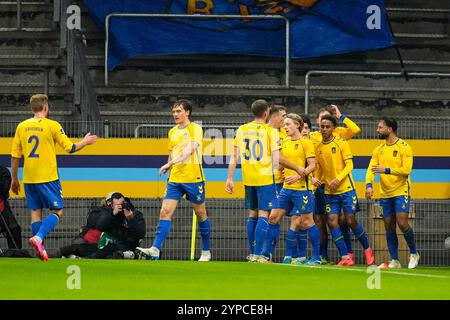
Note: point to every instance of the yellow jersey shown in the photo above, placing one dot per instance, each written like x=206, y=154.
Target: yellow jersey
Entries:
x=279, y=173
x=398, y=161
x=190, y=170
x=335, y=160
x=256, y=142
x=35, y=139
x=297, y=152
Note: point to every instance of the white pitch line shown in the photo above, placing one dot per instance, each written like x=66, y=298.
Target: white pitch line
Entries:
x=423, y=275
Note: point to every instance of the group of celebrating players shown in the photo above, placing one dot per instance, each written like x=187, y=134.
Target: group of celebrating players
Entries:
x=287, y=170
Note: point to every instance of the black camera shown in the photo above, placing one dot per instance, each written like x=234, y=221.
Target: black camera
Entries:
x=126, y=206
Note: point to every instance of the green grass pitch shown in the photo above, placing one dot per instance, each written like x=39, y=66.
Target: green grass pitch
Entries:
x=180, y=280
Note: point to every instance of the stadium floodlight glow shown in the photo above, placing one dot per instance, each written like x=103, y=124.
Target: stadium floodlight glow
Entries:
x=201, y=16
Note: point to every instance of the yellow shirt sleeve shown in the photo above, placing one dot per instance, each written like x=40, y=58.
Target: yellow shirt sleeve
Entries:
x=16, y=151
x=236, y=138
x=60, y=137
x=348, y=159
x=407, y=162
x=309, y=149
x=170, y=144
x=349, y=132
x=274, y=139
x=196, y=134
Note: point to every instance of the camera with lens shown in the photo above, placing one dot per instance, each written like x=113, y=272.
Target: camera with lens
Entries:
x=126, y=206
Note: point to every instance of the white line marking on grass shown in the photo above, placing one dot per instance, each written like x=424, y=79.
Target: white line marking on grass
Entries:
x=424, y=275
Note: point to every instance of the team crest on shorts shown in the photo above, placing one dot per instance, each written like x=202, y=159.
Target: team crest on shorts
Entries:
x=199, y=198
x=270, y=204
x=55, y=203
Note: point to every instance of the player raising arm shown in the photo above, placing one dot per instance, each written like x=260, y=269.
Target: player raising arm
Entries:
x=334, y=166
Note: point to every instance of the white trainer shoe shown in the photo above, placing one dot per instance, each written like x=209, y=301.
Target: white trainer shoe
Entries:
x=147, y=253
x=413, y=260
x=393, y=264
x=206, y=256
x=250, y=257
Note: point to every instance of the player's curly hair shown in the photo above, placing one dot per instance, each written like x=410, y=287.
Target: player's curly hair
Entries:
x=330, y=118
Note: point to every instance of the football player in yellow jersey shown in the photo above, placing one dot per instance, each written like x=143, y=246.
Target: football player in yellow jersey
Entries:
x=393, y=160
x=296, y=192
x=186, y=177
x=320, y=217
x=277, y=114
x=257, y=146
x=35, y=140
x=334, y=166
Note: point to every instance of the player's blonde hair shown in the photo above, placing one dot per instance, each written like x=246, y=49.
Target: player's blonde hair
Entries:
x=38, y=101
x=297, y=119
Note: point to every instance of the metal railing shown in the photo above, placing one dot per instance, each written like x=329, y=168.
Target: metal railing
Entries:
x=409, y=127
x=431, y=225
x=363, y=73
x=168, y=126
x=200, y=17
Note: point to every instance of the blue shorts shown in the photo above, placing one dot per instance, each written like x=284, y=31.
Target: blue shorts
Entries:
x=321, y=204
x=279, y=187
x=303, y=201
x=395, y=204
x=195, y=192
x=44, y=195
x=261, y=198
x=346, y=202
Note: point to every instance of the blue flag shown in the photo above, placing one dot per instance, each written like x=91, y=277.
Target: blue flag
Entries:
x=318, y=27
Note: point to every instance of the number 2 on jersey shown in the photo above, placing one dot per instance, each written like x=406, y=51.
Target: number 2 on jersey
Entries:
x=253, y=151
x=33, y=153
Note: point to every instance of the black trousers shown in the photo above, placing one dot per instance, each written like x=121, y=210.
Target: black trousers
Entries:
x=10, y=228
x=80, y=249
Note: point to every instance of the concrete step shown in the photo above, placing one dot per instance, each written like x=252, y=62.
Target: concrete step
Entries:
x=435, y=4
